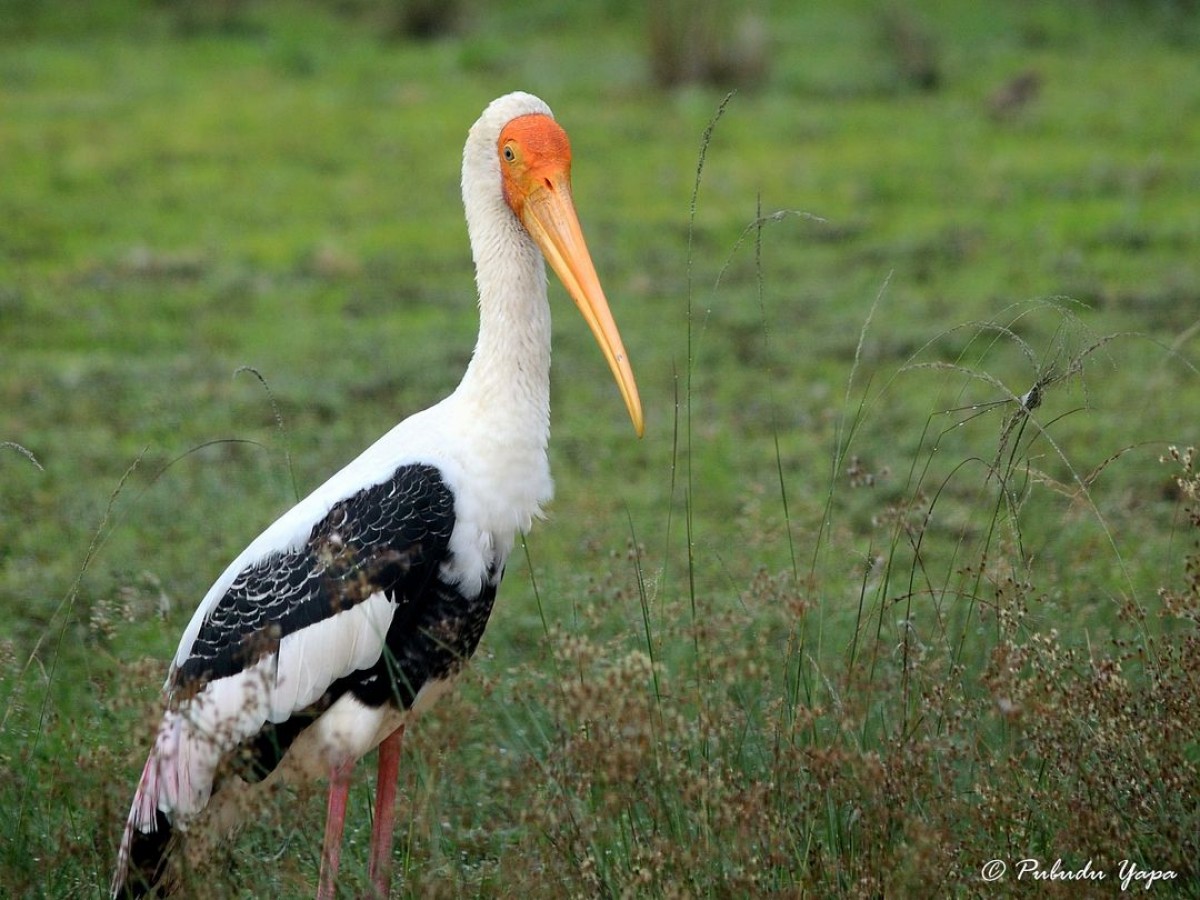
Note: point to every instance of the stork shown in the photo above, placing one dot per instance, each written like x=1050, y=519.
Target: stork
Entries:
x=355, y=609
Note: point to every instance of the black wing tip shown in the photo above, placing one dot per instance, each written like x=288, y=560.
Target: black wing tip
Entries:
x=149, y=858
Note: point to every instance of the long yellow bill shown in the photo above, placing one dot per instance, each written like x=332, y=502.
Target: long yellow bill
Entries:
x=549, y=216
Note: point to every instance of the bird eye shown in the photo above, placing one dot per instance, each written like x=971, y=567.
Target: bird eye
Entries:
x=510, y=155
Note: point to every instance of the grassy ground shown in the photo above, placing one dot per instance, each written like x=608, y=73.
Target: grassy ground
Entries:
x=851, y=620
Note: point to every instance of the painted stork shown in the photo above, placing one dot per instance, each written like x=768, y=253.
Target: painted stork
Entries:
x=356, y=608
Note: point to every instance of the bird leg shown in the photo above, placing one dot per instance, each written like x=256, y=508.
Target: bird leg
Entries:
x=380, y=869
x=335, y=823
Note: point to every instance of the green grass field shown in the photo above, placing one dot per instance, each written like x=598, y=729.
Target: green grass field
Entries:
x=896, y=584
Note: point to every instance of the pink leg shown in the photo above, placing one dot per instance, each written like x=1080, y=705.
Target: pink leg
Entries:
x=335, y=823
x=385, y=813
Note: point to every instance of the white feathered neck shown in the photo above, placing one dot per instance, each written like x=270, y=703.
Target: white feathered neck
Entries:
x=509, y=374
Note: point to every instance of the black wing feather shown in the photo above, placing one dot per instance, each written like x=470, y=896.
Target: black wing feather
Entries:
x=390, y=537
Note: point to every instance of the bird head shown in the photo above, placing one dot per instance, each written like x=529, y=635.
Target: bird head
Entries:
x=535, y=168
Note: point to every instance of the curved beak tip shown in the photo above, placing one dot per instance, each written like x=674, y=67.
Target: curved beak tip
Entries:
x=551, y=220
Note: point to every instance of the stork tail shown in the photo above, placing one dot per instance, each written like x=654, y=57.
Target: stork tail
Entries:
x=146, y=845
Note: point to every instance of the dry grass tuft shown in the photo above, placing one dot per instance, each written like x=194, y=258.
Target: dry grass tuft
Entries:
x=720, y=771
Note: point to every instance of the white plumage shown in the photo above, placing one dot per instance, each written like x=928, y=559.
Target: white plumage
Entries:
x=303, y=620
